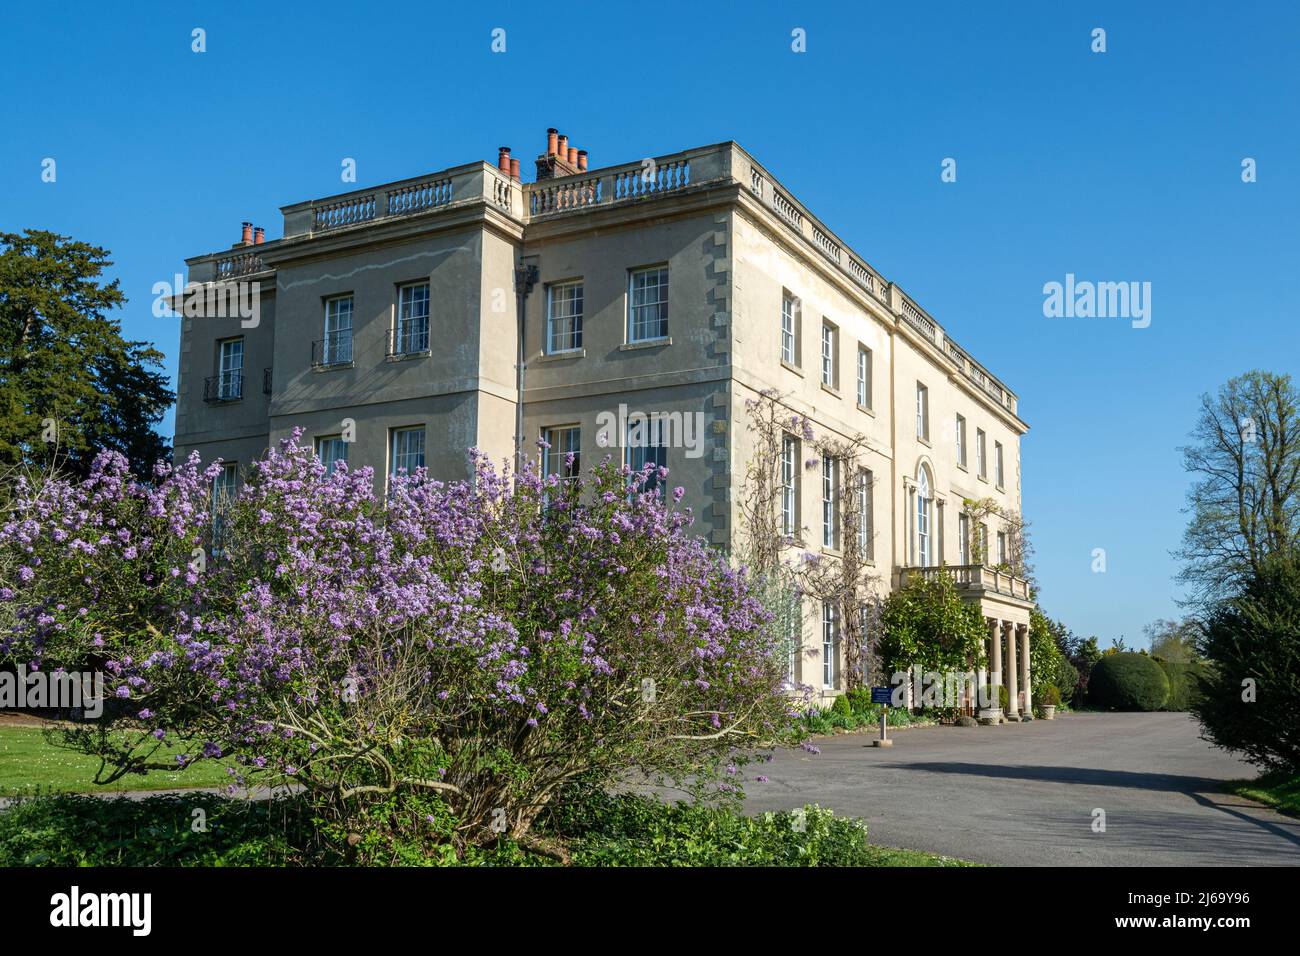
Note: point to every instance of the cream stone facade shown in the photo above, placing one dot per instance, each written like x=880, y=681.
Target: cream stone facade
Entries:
x=683, y=286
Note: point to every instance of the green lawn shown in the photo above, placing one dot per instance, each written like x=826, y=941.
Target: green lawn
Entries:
x=29, y=762
x=1279, y=790
x=889, y=856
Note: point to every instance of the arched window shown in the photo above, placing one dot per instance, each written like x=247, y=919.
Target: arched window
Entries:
x=923, y=518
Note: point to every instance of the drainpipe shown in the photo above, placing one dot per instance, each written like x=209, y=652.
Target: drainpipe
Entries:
x=525, y=279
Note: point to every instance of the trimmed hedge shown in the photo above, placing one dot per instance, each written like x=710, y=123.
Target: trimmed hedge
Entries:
x=1184, y=683
x=1128, y=681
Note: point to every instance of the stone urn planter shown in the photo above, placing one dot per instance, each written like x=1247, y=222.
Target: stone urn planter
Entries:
x=1049, y=712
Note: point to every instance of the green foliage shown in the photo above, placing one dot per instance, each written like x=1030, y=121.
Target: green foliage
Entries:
x=628, y=830
x=589, y=827
x=1066, y=678
x=1004, y=696
x=842, y=705
x=1049, y=696
x=1251, y=701
x=157, y=831
x=1184, y=682
x=1127, y=681
x=62, y=356
x=859, y=699
x=1173, y=640
x=1048, y=656
x=1086, y=654
x=1089, y=652
x=863, y=714
x=927, y=623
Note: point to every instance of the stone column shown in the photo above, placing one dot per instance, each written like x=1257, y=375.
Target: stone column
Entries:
x=1024, y=667
x=995, y=678
x=1013, y=690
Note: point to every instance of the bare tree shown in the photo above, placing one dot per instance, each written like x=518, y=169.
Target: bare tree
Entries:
x=775, y=552
x=1014, y=526
x=1245, y=501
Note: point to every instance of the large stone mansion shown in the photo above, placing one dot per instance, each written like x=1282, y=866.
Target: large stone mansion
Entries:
x=402, y=324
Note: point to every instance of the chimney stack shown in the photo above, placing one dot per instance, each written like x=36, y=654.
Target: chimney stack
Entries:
x=503, y=159
x=247, y=236
x=560, y=159
x=259, y=236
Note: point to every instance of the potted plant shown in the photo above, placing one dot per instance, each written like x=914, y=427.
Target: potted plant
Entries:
x=1049, y=698
x=994, y=715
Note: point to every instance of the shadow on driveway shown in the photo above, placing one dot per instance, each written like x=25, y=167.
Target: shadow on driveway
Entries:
x=1204, y=790
x=1087, y=776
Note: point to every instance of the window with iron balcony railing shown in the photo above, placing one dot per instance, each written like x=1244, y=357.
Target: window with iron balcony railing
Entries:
x=333, y=350
x=224, y=387
x=410, y=338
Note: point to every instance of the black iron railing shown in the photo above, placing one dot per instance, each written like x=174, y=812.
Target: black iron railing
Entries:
x=225, y=387
x=332, y=350
x=408, y=338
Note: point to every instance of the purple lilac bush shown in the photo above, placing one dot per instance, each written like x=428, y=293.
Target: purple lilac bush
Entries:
x=483, y=642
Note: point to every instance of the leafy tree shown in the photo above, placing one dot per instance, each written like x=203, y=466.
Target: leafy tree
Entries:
x=1173, y=641
x=927, y=623
x=1245, y=501
x=1087, y=653
x=1251, y=701
x=1049, y=656
x=63, y=359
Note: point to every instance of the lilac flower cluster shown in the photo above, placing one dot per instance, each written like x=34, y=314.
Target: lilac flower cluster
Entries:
x=488, y=638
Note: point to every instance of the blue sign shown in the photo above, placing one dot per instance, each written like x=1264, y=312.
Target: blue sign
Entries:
x=881, y=695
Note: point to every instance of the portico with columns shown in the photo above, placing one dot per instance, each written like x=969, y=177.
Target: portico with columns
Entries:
x=1004, y=602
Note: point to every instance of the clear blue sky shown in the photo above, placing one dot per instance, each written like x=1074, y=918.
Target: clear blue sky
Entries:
x=1117, y=166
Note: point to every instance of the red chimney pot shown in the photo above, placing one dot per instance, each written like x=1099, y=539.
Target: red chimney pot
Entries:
x=503, y=159
x=551, y=135
x=582, y=160
x=259, y=236
x=514, y=169
x=562, y=146
x=247, y=236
